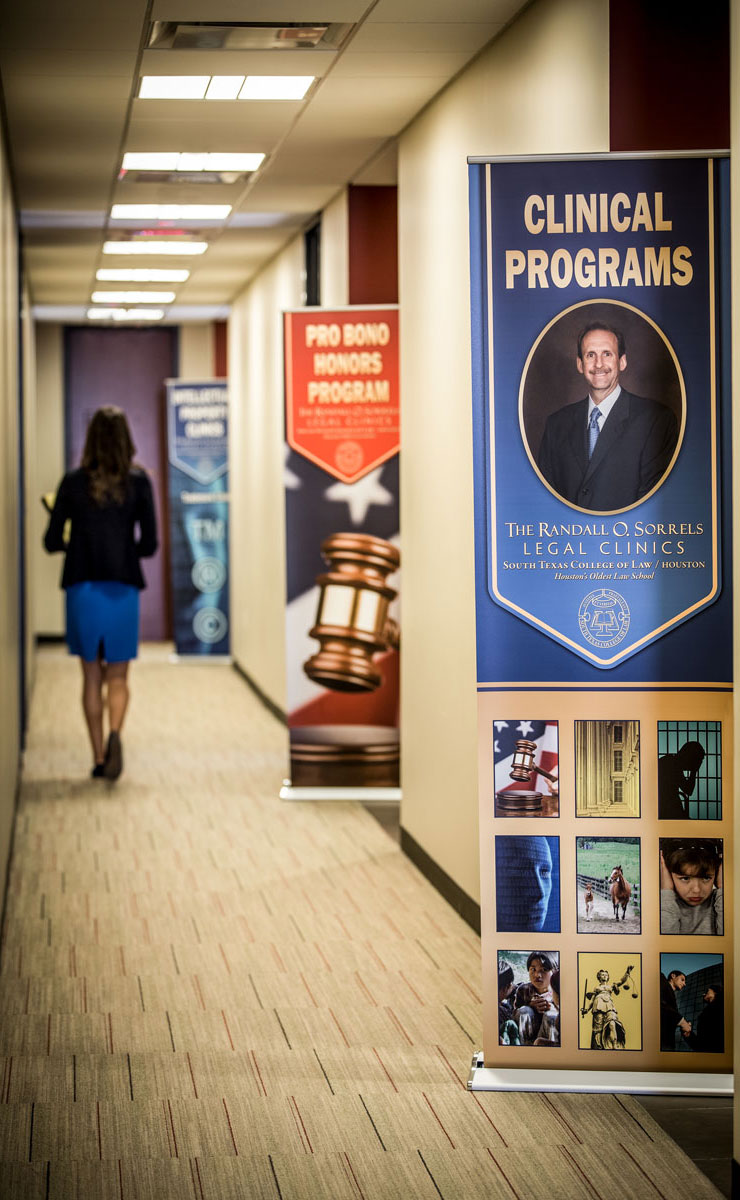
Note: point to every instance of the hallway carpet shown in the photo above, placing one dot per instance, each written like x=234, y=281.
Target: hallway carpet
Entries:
x=209, y=994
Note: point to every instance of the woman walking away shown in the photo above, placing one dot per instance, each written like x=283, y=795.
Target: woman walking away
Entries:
x=104, y=500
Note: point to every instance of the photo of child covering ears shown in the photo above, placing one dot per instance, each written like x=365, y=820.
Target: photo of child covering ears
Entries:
x=691, y=895
x=529, y=998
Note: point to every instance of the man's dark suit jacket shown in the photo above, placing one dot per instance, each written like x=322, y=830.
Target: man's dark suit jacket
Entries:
x=631, y=454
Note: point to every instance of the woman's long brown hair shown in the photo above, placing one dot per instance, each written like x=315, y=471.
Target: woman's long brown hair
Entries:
x=108, y=454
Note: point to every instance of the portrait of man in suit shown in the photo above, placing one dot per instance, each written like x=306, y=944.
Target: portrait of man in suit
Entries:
x=606, y=451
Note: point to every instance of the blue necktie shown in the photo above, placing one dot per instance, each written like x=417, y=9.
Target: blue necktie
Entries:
x=593, y=431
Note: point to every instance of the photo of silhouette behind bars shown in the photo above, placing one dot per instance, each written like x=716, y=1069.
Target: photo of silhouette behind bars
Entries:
x=692, y=1003
x=609, y=1001
x=607, y=755
x=529, y=998
x=608, y=884
x=525, y=769
x=527, y=884
x=692, y=898
x=690, y=770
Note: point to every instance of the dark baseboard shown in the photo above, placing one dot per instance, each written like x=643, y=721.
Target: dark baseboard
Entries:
x=468, y=909
x=49, y=639
x=269, y=704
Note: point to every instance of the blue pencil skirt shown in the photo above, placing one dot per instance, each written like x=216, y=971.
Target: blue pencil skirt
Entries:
x=103, y=621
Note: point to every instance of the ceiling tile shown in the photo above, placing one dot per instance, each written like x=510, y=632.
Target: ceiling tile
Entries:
x=274, y=11
x=236, y=62
x=417, y=64
x=415, y=36
x=22, y=28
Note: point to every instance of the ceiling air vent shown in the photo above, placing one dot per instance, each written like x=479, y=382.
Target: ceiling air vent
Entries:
x=236, y=35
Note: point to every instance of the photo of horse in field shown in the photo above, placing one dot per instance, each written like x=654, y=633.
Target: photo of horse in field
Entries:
x=619, y=892
x=608, y=885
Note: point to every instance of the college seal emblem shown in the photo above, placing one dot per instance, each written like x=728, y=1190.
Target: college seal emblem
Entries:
x=604, y=618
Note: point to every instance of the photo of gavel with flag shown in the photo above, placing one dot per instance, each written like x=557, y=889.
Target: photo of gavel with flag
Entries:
x=523, y=767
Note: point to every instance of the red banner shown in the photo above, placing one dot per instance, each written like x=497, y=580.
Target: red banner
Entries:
x=341, y=387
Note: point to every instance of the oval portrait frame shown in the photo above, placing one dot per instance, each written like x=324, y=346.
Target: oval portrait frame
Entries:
x=600, y=305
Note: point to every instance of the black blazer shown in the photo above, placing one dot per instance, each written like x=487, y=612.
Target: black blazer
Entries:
x=631, y=454
x=103, y=543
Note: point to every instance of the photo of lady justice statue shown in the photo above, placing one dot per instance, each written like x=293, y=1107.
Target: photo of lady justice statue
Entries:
x=607, y=1030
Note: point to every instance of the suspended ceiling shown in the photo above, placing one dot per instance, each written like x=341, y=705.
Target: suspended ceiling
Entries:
x=70, y=80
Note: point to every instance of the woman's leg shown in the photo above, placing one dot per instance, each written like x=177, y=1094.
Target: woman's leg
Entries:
x=116, y=677
x=92, y=705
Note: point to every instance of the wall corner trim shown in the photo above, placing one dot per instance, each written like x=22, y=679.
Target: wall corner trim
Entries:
x=269, y=704
x=462, y=903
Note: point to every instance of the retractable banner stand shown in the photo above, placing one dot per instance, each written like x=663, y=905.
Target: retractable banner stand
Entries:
x=197, y=441
x=342, y=549
x=600, y=338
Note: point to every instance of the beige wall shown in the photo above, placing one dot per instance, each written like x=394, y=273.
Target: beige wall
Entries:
x=196, y=351
x=735, y=239
x=533, y=91
x=9, y=541
x=47, y=603
x=256, y=441
x=335, y=252
x=257, y=519
x=32, y=505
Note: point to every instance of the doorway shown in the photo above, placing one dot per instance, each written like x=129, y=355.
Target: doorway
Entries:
x=128, y=367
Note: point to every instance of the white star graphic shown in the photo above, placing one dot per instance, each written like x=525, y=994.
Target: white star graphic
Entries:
x=496, y=747
x=499, y=725
x=290, y=479
x=525, y=727
x=361, y=495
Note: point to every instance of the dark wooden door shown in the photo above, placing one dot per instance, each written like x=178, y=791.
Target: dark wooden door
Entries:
x=128, y=367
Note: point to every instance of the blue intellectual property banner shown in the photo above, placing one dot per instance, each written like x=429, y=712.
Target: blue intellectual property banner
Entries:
x=197, y=438
x=595, y=290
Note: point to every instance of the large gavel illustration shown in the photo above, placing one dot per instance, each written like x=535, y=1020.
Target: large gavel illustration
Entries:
x=523, y=767
x=352, y=622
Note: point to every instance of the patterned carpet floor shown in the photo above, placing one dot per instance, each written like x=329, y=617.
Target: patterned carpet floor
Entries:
x=208, y=993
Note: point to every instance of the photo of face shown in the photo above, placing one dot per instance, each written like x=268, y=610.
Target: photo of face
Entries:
x=527, y=884
x=691, y=892
x=694, y=886
x=529, y=998
x=600, y=363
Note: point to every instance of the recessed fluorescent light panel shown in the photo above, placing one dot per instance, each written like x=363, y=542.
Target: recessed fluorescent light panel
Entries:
x=170, y=212
x=173, y=247
x=192, y=162
x=173, y=87
x=140, y=275
x=275, y=87
x=125, y=314
x=132, y=297
x=224, y=87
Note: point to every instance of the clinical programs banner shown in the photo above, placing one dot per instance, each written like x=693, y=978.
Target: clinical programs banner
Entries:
x=601, y=402
x=342, y=431
x=197, y=445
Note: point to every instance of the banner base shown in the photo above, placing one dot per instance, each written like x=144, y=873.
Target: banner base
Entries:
x=645, y=1083
x=378, y=795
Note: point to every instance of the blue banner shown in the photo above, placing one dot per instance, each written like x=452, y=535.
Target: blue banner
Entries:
x=595, y=291
x=197, y=436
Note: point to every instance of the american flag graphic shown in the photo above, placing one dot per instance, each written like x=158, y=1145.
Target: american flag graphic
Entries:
x=505, y=734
